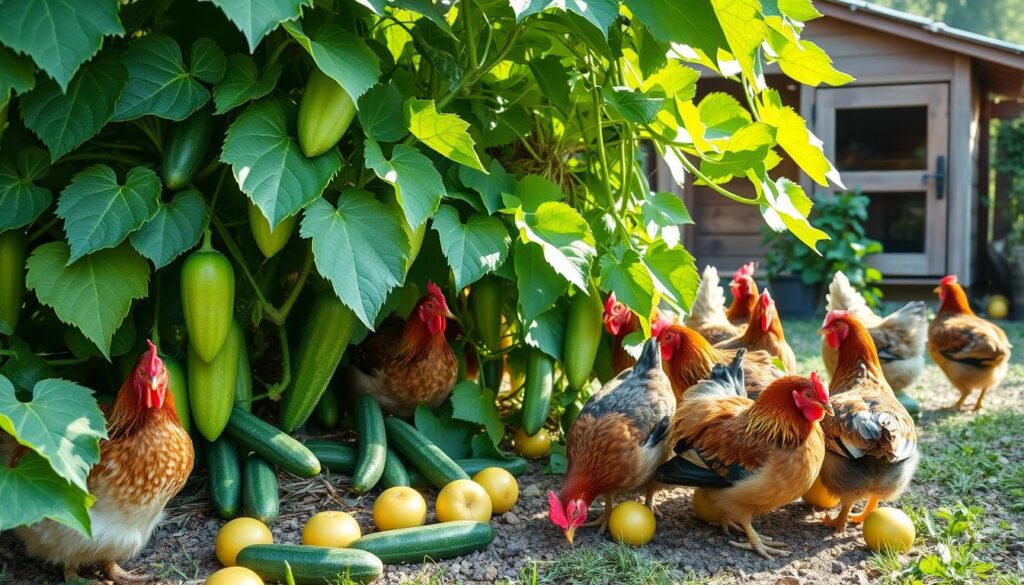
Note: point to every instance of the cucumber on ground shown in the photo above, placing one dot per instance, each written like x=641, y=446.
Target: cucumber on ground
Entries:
x=395, y=473
x=259, y=492
x=426, y=456
x=316, y=565
x=336, y=457
x=515, y=465
x=423, y=543
x=225, y=477
x=417, y=479
x=540, y=379
x=372, y=442
x=271, y=443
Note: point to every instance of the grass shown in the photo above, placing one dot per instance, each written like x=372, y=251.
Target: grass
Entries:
x=607, y=563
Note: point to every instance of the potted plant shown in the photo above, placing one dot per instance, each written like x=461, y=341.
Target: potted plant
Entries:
x=796, y=273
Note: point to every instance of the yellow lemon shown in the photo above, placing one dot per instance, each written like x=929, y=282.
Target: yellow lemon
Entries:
x=501, y=486
x=234, y=576
x=399, y=507
x=335, y=529
x=632, y=523
x=238, y=534
x=463, y=499
x=889, y=528
x=998, y=307
x=703, y=508
x=819, y=496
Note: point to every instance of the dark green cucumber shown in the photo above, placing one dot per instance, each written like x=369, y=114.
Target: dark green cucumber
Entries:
x=259, y=491
x=417, y=479
x=516, y=465
x=395, y=473
x=493, y=371
x=334, y=456
x=13, y=250
x=426, y=456
x=225, y=477
x=327, y=409
x=324, y=339
x=243, y=381
x=426, y=543
x=372, y=442
x=271, y=443
x=186, y=146
x=315, y=565
x=540, y=379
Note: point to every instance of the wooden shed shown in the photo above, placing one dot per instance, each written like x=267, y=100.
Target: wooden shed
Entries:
x=911, y=133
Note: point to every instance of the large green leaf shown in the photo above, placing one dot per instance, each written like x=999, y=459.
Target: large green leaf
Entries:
x=17, y=73
x=158, y=82
x=474, y=248
x=208, y=60
x=491, y=186
x=417, y=183
x=40, y=494
x=799, y=143
x=99, y=212
x=242, y=83
x=445, y=133
x=691, y=23
x=20, y=198
x=806, y=62
x=65, y=120
x=451, y=436
x=59, y=35
x=474, y=404
x=341, y=55
x=787, y=207
x=552, y=80
x=62, y=423
x=93, y=294
x=24, y=367
x=360, y=247
x=547, y=331
x=633, y=105
x=539, y=285
x=624, y=273
x=174, y=229
x=380, y=113
x=600, y=13
x=675, y=80
x=564, y=237
x=663, y=213
x=673, y=272
x=744, y=30
x=269, y=165
x=256, y=18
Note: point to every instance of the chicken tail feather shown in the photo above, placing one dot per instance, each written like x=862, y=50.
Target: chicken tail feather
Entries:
x=650, y=357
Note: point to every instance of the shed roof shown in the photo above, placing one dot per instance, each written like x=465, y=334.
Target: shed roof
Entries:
x=1000, y=63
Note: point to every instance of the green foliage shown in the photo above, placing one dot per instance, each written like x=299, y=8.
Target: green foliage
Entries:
x=505, y=140
x=841, y=216
x=1009, y=153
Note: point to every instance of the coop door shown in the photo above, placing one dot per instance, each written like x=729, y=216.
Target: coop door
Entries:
x=891, y=142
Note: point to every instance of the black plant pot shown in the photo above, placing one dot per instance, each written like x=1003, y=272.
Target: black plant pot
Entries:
x=794, y=299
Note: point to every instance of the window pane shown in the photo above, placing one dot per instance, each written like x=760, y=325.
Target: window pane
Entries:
x=898, y=221
x=882, y=139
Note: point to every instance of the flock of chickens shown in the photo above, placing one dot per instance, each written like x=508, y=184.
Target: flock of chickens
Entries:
x=708, y=405
x=705, y=404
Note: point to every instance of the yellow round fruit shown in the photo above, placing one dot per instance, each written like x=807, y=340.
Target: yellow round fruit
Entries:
x=632, y=523
x=399, y=507
x=238, y=534
x=889, y=528
x=533, y=447
x=501, y=486
x=703, y=508
x=463, y=499
x=234, y=576
x=998, y=307
x=819, y=496
x=335, y=529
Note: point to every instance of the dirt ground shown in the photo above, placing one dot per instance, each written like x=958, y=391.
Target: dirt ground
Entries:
x=181, y=550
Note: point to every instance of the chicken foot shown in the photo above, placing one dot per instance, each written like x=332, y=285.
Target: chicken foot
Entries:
x=869, y=507
x=960, y=403
x=119, y=575
x=649, y=500
x=602, y=521
x=839, y=522
x=981, y=397
x=760, y=545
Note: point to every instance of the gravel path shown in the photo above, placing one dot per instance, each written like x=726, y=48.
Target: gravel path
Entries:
x=181, y=551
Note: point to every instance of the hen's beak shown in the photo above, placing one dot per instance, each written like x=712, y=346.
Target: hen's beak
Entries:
x=937, y=290
x=154, y=383
x=822, y=331
x=828, y=409
x=448, y=314
x=570, y=534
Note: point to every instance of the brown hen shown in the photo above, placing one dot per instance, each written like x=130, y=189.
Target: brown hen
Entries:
x=689, y=357
x=708, y=315
x=764, y=332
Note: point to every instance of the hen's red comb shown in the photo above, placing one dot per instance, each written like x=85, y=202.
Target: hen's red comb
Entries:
x=819, y=387
x=434, y=290
x=765, y=300
x=609, y=303
x=834, y=315
x=745, y=270
x=556, y=512
x=948, y=279
x=154, y=360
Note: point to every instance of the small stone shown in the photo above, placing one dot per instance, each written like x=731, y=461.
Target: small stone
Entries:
x=532, y=491
x=511, y=518
x=788, y=580
x=491, y=573
x=837, y=567
x=862, y=578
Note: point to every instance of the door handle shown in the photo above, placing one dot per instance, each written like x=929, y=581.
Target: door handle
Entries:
x=939, y=176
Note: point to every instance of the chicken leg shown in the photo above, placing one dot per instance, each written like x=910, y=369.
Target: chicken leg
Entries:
x=602, y=521
x=977, y=405
x=758, y=544
x=649, y=500
x=119, y=575
x=960, y=403
x=869, y=507
x=839, y=522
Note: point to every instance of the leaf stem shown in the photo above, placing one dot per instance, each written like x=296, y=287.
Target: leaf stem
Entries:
x=240, y=260
x=718, y=188
x=293, y=296
x=154, y=332
x=274, y=392
x=41, y=230
x=101, y=156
